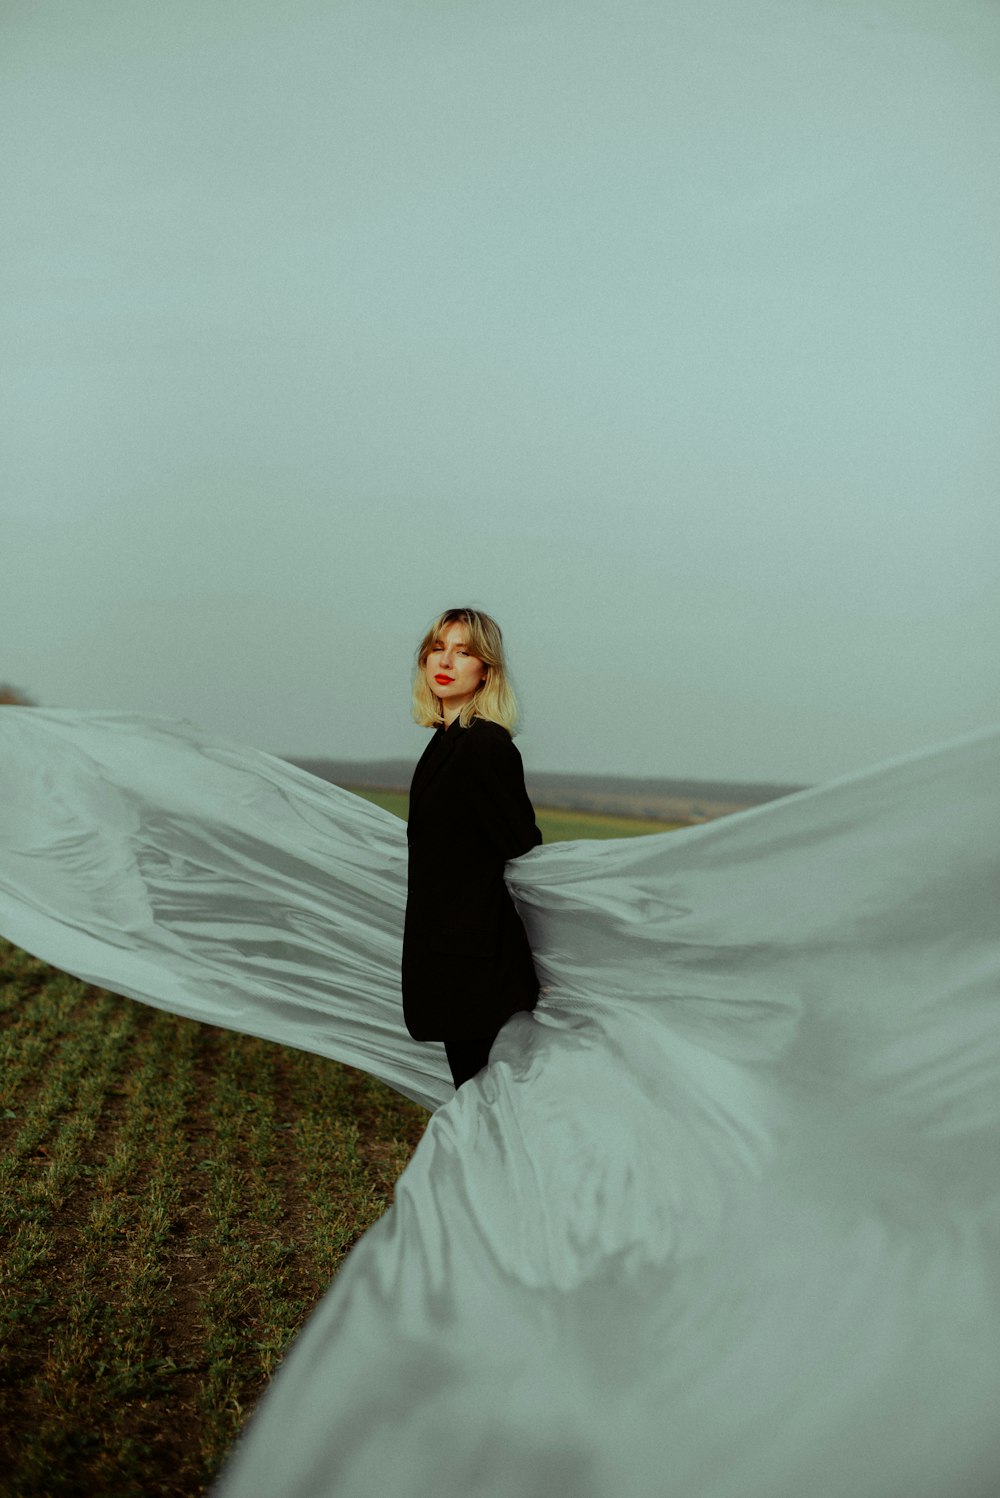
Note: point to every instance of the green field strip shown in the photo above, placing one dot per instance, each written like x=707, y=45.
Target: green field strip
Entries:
x=43, y=1160
x=555, y=824
x=340, y=1197
x=105, y=1362
x=37, y=1020
x=390, y=1128
x=255, y=1303
x=570, y=826
x=395, y=801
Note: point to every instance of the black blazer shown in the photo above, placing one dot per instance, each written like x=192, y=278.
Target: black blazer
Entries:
x=466, y=961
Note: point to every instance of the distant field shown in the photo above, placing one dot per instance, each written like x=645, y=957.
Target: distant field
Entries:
x=677, y=802
x=174, y=1199
x=555, y=825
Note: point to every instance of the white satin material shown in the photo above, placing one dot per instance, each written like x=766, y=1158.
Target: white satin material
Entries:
x=210, y=880
x=720, y=1220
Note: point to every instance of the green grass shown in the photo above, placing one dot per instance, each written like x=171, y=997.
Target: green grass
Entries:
x=174, y=1199
x=555, y=825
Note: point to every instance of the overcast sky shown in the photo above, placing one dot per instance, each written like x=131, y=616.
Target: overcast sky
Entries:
x=666, y=332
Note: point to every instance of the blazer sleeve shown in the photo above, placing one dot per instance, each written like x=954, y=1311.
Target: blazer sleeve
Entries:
x=504, y=812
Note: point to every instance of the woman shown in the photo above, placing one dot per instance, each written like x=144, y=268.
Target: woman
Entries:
x=466, y=961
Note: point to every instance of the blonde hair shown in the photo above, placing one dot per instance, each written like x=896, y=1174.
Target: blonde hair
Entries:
x=494, y=699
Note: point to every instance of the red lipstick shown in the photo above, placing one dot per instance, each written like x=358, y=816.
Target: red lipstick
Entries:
x=443, y=680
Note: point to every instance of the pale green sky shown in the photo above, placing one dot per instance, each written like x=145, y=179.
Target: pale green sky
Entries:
x=668, y=333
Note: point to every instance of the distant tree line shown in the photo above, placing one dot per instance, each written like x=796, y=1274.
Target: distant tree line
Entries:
x=14, y=697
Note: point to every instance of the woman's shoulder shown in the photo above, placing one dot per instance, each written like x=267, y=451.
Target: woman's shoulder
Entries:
x=490, y=738
x=486, y=728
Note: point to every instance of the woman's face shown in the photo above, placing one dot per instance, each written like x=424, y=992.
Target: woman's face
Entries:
x=453, y=673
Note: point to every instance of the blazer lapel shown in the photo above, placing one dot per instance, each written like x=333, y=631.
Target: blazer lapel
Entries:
x=436, y=755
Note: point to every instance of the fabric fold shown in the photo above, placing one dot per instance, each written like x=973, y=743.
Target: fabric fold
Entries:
x=721, y=1217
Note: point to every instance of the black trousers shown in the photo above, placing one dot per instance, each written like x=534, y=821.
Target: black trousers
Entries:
x=468, y=1055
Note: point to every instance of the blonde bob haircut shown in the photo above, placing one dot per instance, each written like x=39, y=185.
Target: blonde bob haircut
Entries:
x=494, y=699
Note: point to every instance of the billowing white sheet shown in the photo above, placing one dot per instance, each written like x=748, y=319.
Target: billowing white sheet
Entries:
x=721, y=1218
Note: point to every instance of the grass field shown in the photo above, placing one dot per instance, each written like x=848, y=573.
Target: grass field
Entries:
x=556, y=825
x=174, y=1199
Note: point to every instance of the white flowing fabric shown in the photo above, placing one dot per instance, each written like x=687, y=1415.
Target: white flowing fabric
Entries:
x=720, y=1220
